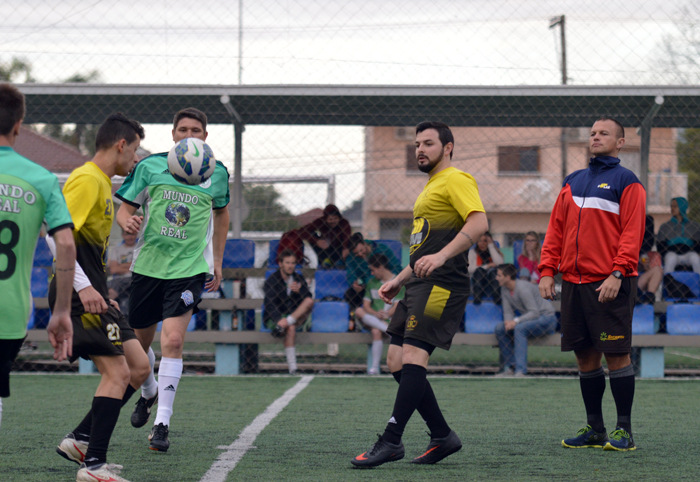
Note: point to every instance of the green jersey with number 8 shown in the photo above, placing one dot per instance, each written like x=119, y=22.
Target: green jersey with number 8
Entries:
x=29, y=194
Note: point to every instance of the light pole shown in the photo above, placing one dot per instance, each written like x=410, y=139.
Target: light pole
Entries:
x=561, y=22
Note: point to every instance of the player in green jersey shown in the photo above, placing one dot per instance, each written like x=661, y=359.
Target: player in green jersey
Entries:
x=29, y=194
x=181, y=241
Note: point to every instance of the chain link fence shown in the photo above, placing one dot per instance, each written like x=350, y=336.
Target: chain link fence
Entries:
x=345, y=136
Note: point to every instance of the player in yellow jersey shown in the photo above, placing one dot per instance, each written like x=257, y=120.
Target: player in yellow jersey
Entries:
x=448, y=217
x=101, y=332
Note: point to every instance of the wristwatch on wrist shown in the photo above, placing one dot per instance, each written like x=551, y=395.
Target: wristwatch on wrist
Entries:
x=617, y=274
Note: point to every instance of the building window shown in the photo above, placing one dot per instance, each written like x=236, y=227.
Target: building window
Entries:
x=518, y=159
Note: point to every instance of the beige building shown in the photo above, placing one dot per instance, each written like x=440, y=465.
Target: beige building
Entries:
x=518, y=171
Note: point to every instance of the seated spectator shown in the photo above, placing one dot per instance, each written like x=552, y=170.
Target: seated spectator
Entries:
x=288, y=303
x=120, y=258
x=358, y=271
x=678, y=240
x=483, y=259
x=529, y=259
x=329, y=236
x=650, y=275
x=374, y=312
x=536, y=318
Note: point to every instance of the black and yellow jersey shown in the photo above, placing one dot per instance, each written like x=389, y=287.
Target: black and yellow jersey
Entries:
x=88, y=193
x=438, y=215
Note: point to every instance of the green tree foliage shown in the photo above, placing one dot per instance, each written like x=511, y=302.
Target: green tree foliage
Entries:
x=688, y=149
x=266, y=211
x=13, y=70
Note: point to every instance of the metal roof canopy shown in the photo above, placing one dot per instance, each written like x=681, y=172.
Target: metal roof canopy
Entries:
x=390, y=105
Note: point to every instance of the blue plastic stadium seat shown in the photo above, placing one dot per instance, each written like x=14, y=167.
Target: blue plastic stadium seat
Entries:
x=330, y=317
x=40, y=282
x=690, y=279
x=683, y=319
x=331, y=282
x=483, y=318
x=272, y=259
x=517, y=251
x=239, y=253
x=643, y=320
x=395, y=246
x=42, y=254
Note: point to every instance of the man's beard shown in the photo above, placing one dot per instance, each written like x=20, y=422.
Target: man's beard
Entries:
x=431, y=164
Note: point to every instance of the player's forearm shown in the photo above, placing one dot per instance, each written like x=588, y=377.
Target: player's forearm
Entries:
x=477, y=224
x=124, y=214
x=65, y=269
x=221, y=222
x=404, y=275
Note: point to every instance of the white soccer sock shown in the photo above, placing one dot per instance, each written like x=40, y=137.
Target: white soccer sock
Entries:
x=169, y=375
x=374, y=322
x=149, y=389
x=291, y=353
x=377, y=347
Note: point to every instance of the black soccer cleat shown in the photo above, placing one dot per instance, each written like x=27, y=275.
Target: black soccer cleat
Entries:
x=142, y=411
x=586, y=438
x=159, y=438
x=439, y=448
x=381, y=453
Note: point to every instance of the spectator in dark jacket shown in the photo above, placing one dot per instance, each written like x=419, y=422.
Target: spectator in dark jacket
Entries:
x=288, y=303
x=678, y=240
x=329, y=236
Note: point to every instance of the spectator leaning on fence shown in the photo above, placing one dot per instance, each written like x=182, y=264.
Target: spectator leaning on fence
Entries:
x=536, y=318
x=594, y=237
x=42, y=200
x=374, y=311
x=329, y=236
x=358, y=270
x=529, y=259
x=678, y=240
x=288, y=303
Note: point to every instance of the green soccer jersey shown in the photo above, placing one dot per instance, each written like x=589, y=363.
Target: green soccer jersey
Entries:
x=29, y=194
x=372, y=294
x=176, y=236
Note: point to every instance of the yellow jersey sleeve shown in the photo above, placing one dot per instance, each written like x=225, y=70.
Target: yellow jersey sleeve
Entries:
x=81, y=193
x=463, y=194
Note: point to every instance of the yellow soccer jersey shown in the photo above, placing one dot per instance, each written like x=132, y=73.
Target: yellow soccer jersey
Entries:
x=88, y=193
x=438, y=215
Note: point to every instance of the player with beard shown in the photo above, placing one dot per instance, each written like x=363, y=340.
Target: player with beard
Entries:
x=448, y=217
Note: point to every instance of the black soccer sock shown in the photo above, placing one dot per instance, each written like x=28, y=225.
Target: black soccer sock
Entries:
x=409, y=395
x=105, y=415
x=622, y=388
x=429, y=409
x=82, y=431
x=592, y=389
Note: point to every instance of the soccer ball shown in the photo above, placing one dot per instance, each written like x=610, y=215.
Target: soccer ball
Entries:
x=191, y=161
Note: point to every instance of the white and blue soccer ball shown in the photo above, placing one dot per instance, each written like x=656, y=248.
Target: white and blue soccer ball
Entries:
x=191, y=161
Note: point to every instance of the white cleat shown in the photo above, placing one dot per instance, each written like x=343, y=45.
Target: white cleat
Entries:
x=101, y=473
x=72, y=449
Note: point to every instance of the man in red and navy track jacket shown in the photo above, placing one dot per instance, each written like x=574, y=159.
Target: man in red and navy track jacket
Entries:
x=594, y=236
x=597, y=224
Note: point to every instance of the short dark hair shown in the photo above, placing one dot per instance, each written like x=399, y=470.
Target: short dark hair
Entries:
x=620, y=128
x=331, y=210
x=12, y=107
x=286, y=253
x=355, y=239
x=507, y=270
x=191, y=113
x=115, y=128
x=378, y=259
x=443, y=130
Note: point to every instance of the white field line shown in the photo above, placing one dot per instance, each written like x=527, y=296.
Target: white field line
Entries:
x=680, y=353
x=228, y=460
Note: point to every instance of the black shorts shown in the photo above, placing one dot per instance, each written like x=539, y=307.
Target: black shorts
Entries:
x=152, y=299
x=100, y=335
x=8, y=353
x=586, y=322
x=429, y=313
